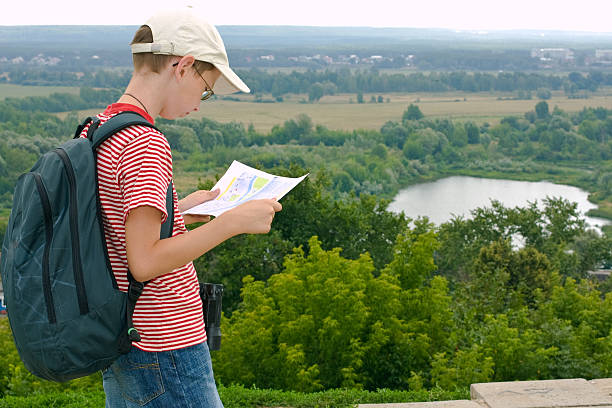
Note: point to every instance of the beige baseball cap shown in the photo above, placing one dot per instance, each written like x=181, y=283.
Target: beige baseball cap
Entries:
x=183, y=32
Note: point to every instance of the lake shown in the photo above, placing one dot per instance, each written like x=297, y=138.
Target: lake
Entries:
x=442, y=199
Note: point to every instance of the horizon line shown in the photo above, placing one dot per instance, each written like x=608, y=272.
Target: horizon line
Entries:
x=456, y=30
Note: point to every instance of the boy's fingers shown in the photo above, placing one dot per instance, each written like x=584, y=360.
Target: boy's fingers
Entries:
x=277, y=206
x=209, y=195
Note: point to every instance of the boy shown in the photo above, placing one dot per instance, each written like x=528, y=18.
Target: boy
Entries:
x=179, y=60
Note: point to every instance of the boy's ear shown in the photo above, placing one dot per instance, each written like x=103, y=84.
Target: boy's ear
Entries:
x=183, y=65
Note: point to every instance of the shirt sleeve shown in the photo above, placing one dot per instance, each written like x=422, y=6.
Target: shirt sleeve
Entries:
x=144, y=172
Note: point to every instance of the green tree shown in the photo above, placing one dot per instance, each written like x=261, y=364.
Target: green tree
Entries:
x=424, y=142
x=315, y=314
x=315, y=92
x=413, y=112
x=541, y=110
x=515, y=351
x=394, y=134
x=563, y=220
x=544, y=93
x=473, y=132
x=413, y=263
x=380, y=151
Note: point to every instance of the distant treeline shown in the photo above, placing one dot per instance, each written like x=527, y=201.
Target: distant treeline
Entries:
x=329, y=82
x=87, y=98
x=102, y=78
x=423, y=57
x=347, y=81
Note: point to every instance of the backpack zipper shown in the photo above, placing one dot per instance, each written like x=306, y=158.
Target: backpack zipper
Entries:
x=46, y=277
x=76, y=245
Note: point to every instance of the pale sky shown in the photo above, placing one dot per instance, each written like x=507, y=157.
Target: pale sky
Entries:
x=567, y=15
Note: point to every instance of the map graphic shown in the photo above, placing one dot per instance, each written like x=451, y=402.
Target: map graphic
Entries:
x=242, y=183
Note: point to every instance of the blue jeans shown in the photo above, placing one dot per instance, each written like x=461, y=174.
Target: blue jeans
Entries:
x=177, y=378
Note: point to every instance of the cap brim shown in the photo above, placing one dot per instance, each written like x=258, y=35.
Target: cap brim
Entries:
x=228, y=82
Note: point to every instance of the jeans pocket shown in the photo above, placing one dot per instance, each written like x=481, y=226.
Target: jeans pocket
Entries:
x=139, y=376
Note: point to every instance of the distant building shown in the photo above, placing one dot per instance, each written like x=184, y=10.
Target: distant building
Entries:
x=603, y=55
x=40, y=59
x=601, y=274
x=553, y=54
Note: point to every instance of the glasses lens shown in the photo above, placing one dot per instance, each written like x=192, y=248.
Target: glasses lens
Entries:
x=206, y=94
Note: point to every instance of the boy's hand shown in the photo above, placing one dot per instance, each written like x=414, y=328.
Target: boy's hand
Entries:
x=193, y=199
x=252, y=217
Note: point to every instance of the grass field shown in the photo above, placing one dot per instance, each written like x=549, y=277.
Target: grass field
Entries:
x=342, y=111
x=9, y=90
x=337, y=112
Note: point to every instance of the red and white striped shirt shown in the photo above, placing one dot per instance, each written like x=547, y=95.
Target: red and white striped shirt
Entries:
x=134, y=170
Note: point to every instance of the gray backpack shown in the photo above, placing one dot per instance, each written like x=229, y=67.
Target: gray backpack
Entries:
x=66, y=313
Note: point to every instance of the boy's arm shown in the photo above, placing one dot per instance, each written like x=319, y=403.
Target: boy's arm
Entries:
x=149, y=257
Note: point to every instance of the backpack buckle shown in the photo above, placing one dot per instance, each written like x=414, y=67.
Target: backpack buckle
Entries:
x=133, y=334
x=135, y=289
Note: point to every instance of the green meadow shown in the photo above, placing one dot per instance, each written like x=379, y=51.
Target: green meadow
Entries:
x=17, y=91
x=342, y=112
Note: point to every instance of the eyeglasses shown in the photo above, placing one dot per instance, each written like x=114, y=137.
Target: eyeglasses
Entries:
x=207, y=92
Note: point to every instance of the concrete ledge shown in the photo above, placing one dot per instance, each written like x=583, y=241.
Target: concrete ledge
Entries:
x=570, y=393
x=603, y=384
x=575, y=393
x=437, y=404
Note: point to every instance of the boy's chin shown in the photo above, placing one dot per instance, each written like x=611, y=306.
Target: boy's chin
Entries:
x=168, y=116
x=173, y=115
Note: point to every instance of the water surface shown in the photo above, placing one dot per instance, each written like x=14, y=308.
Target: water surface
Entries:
x=457, y=195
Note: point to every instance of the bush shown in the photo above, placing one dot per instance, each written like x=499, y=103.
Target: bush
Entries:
x=15, y=380
x=74, y=399
x=241, y=397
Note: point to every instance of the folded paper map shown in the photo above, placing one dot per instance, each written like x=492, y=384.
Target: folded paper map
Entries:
x=242, y=183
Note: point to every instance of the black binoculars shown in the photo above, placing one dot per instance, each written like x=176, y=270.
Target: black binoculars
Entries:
x=212, y=294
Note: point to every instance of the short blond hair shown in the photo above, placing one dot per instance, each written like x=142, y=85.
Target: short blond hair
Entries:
x=157, y=62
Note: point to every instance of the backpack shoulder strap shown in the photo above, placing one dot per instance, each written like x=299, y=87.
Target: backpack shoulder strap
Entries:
x=98, y=135
x=136, y=288
x=80, y=128
x=166, y=228
x=116, y=124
